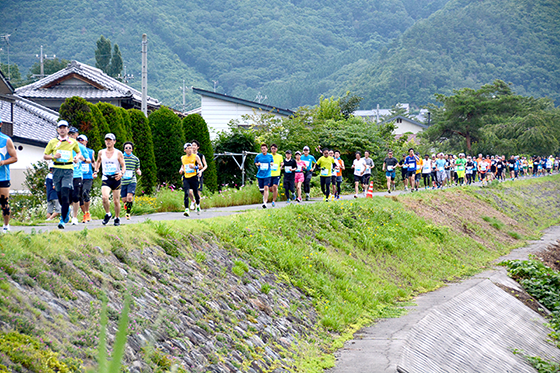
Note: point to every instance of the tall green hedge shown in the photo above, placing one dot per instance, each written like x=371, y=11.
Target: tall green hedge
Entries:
x=168, y=138
x=126, y=123
x=195, y=128
x=144, y=150
x=114, y=119
x=96, y=135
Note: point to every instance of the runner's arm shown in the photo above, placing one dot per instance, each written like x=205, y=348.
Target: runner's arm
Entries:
x=12, y=152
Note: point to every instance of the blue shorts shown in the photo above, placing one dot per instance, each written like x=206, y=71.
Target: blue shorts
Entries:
x=128, y=188
x=391, y=174
x=274, y=180
x=263, y=182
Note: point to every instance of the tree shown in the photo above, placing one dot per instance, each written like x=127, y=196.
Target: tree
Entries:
x=96, y=135
x=126, y=123
x=349, y=104
x=49, y=67
x=195, y=128
x=103, y=54
x=116, y=66
x=168, y=138
x=12, y=74
x=115, y=120
x=144, y=150
x=236, y=140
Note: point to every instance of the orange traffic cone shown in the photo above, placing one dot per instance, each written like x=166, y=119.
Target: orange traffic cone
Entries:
x=370, y=190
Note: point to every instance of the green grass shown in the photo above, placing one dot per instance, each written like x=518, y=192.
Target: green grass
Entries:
x=356, y=260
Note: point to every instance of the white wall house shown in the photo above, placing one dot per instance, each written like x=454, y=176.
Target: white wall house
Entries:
x=406, y=125
x=218, y=110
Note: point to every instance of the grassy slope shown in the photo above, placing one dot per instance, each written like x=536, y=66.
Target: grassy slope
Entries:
x=354, y=260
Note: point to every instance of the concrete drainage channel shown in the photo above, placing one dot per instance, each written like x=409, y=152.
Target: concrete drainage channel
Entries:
x=470, y=326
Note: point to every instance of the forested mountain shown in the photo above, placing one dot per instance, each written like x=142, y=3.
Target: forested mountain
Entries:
x=467, y=44
x=387, y=51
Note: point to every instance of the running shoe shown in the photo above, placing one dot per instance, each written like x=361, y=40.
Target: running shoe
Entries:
x=84, y=219
x=264, y=205
x=6, y=228
x=355, y=196
x=198, y=209
x=299, y=200
x=406, y=189
x=106, y=219
x=127, y=216
x=324, y=198
x=117, y=222
x=273, y=204
x=332, y=197
x=75, y=221
x=388, y=190
x=61, y=223
x=187, y=212
x=288, y=201
x=307, y=197
x=67, y=219
x=192, y=205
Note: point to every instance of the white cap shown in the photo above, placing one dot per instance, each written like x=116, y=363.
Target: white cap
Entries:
x=62, y=123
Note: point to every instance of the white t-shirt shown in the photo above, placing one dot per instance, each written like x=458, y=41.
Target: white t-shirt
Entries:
x=359, y=166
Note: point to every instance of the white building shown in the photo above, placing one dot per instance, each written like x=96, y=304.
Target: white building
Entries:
x=218, y=110
x=406, y=125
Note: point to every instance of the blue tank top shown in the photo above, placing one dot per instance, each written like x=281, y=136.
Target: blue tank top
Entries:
x=4, y=170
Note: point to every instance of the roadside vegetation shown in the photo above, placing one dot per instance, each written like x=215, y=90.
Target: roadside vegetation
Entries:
x=353, y=262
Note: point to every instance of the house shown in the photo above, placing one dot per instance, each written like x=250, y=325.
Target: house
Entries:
x=406, y=125
x=85, y=81
x=30, y=126
x=218, y=110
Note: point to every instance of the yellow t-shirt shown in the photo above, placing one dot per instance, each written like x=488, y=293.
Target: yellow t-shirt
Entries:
x=65, y=148
x=419, y=164
x=275, y=168
x=325, y=164
x=189, y=160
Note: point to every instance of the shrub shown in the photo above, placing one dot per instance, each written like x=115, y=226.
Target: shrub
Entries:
x=115, y=121
x=35, y=177
x=144, y=150
x=168, y=139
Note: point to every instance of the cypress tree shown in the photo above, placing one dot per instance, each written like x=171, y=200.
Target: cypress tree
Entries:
x=126, y=123
x=168, y=139
x=195, y=128
x=96, y=137
x=144, y=150
x=115, y=121
x=76, y=112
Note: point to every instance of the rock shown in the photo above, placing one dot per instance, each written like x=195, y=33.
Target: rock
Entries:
x=123, y=272
x=99, y=250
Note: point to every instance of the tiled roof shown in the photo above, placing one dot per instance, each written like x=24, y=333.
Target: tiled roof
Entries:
x=96, y=85
x=32, y=121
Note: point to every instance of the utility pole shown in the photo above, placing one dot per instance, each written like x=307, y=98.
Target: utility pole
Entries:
x=183, y=95
x=377, y=120
x=145, y=74
x=215, y=82
x=42, y=57
x=7, y=39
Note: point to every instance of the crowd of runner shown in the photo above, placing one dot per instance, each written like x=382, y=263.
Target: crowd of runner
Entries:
x=73, y=166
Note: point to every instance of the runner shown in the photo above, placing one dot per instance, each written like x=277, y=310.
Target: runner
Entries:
x=367, y=173
x=511, y=166
x=275, y=172
x=325, y=164
x=87, y=176
x=290, y=166
x=411, y=162
x=264, y=162
x=389, y=164
x=53, y=207
x=482, y=169
x=469, y=170
x=300, y=171
x=60, y=150
x=190, y=163
x=404, y=172
x=338, y=168
x=434, y=171
x=128, y=184
x=77, y=180
x=426, y=170
x=333, y=175
x=500, y=168
x=418, y=175
x=310, y=162
x=195, y=147
x=530, y=166
x=112, y=162
x=359, y=167
x=8, y=156
x=460, y=168
x=441, y=174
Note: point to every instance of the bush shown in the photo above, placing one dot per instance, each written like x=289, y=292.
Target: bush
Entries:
x=96, y=136
x=115, y=120
x=144, y=150
x=35, y=177
x=168, y=139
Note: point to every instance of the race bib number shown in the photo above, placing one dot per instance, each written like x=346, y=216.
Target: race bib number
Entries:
x=427, y=168
x=188, y=169
x=440, y=168
x=358, y=169
x=482, y=167
x=264, y=166
x=307, y=163
x=128, y=174
x=65, y=155
x=274, y=167
x=288, y=169
x=469, y=170
x=390, y=168
x=110, y=169
x=298, y=168
x=85, y=167
x=412, y=165
x=324, y=172
x=460, y=168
